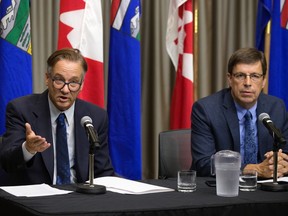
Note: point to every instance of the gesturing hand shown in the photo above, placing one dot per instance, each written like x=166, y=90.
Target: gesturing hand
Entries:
x=35, y=143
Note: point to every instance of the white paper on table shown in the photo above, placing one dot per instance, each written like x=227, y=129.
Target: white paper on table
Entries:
x=126, y=186
x=271, y=180
x=33, y=190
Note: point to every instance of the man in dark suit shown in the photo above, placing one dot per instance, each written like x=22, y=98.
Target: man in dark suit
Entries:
x=28, y=150
x=218, y=120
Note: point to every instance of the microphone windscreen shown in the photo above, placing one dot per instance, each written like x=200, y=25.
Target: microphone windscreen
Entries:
x=263, y=116
x=86, y=119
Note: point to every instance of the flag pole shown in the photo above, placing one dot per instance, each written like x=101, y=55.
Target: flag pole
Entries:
x=267, y=53
x=195, y=53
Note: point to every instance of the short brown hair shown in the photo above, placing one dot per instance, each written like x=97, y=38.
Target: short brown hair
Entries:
x=69, y=54
x=247, y=56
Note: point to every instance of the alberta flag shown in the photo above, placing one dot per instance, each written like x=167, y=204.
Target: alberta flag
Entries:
x=15, y=53
x=124, y=88
x=81, y=27
x=277, y=12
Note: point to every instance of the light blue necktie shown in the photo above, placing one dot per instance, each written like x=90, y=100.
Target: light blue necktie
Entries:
x=250, y=153
x=63, y=167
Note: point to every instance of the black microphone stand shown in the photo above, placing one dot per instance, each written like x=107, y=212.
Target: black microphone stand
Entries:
x=275, y=185
x=91, y=188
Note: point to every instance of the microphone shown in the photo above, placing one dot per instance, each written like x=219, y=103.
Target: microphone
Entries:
x=278, y=139
x=86, y=122
x=90, y=188
x=265, y=118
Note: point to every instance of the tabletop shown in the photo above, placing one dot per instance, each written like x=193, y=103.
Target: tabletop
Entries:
x=203, y=201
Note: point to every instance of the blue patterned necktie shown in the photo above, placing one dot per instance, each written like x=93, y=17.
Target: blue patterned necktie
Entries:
x=63, y=167
x=250, y=153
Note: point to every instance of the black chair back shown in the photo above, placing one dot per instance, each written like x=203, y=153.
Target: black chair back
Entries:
x=3, y=175
x=174, y=152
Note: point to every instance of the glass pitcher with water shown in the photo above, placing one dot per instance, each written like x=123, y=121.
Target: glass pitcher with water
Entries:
x=225, y=164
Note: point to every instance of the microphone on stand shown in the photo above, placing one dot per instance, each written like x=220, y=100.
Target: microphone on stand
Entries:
x=265, y=118
x=86, y=122
x=278, y=140
x=92, y=135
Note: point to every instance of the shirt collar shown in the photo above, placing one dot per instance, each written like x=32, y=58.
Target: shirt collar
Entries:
x=54, y=112
x=241, y=111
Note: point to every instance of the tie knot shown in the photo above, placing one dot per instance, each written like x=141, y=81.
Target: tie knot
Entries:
x=61, y=119
x=248, y=115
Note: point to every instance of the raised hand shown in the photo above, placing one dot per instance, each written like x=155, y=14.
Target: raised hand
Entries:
x=35, y=143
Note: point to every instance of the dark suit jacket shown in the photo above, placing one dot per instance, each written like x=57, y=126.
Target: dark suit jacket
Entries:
x=34, y=109
x=215, y=127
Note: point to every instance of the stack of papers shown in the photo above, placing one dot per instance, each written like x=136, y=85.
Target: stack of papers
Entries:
x=114, y=184
x=285, y=179
x=34, y=190
x=125, y=186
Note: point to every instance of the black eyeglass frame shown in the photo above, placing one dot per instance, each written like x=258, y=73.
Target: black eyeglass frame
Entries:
x=66, y=83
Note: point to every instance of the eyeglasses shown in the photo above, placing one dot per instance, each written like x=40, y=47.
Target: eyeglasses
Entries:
x=59, y=84
x=255, y=77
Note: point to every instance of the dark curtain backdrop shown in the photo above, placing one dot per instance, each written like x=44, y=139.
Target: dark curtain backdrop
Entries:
x=223, y=27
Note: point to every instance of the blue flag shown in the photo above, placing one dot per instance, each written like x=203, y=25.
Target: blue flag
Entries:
x=124, y=89
x=15, y=53
x=263, y=17
x=278, y=71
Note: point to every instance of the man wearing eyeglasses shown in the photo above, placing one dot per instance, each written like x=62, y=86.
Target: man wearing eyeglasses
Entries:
x=218, y=121
x=28, y=152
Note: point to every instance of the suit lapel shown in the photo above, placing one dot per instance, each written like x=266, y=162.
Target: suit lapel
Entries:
x=232, y=120
x=43, y=128
x=261, y=128
x=81, y=144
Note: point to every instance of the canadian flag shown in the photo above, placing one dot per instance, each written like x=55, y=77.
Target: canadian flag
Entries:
x=81, y=27
x=179, y=43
